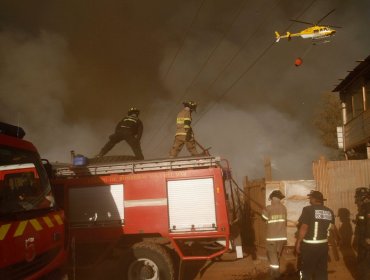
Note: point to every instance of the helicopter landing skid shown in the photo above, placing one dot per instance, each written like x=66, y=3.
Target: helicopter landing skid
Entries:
x=320, y=42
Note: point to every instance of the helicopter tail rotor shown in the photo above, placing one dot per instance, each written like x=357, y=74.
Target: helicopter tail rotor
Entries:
x=277, y=36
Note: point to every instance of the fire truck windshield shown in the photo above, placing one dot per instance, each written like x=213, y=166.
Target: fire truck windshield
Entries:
x=24, y=185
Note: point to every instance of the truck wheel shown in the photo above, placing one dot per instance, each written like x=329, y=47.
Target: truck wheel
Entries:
x=148, y=261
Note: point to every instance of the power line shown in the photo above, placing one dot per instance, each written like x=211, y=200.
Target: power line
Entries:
x=245, y=42
x=236, y=81
x=248, y=69
x=178, y=51
x=184, y=39
x=239, y=10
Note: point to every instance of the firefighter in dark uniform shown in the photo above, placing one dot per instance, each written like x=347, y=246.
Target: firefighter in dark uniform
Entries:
x=362, y=233
x=315, y=223
x=275, y=216
x=184, y=132
x=130, y=129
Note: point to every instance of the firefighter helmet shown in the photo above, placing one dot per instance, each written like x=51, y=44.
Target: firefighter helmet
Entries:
x=361, y=194
x=276, y=193
x=191, y=104
x=133, y=110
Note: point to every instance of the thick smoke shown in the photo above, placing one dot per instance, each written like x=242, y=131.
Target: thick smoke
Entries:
x=34, y=89
x=69, y=72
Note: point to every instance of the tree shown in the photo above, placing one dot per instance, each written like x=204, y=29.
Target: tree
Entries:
x=327, y=118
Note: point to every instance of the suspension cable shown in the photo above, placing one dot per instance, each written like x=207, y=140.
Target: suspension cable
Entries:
x=227, y=91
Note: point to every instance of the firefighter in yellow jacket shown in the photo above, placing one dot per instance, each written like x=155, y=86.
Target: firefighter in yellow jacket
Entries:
x=276, y=236
x=184, y=133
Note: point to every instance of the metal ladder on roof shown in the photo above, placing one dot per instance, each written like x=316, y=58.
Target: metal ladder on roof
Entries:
x=136, y=166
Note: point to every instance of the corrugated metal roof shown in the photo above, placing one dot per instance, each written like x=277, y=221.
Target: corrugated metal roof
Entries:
x=353, y=75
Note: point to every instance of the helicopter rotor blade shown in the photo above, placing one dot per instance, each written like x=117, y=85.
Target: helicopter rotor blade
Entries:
x=334, y=26
x=325, y=16
x=305, y=22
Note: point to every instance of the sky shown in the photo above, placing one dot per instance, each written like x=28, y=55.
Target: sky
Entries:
x=70, y=70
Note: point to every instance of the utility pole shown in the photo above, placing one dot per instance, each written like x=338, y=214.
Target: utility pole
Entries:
x=268, y=170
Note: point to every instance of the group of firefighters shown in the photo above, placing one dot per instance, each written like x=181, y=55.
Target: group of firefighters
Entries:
x=314, y=225
x=130, y=129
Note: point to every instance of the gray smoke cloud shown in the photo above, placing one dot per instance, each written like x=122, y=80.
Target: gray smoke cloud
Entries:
x=70, y=70
x=33, y=87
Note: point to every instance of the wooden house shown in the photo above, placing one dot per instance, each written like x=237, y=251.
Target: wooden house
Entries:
x=354, y=91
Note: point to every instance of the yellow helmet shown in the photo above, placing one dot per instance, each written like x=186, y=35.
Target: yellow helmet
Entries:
x=191, y=104
x=133, y=110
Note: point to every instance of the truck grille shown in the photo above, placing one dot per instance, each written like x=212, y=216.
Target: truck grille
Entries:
x=23, y=269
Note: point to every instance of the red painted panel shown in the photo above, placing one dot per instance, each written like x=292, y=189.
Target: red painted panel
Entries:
x=221, y=209
x=146, y=187
x=16, y=143
x=31, y=241
x=151, y=219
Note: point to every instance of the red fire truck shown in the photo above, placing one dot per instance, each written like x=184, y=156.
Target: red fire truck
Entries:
x=32, y=231
x=157, y=213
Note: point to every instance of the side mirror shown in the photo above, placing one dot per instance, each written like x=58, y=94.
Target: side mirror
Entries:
x=48, y=167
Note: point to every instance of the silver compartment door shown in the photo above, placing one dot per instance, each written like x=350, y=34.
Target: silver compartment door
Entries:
x=100, y=205
x=191, y=205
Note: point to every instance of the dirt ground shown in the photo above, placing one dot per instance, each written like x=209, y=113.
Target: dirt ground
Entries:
x=248, y=268
x=228, y=268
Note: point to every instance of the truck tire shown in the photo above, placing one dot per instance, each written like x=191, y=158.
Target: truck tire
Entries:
x=148, y=261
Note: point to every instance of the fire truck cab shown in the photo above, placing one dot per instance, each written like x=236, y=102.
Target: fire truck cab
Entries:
x=32, y=233
x=158, y=213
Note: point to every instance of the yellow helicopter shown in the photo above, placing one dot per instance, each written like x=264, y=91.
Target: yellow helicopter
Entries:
x=315, y=32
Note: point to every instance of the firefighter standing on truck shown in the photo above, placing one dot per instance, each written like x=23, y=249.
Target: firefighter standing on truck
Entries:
x=312, y=241
x=130, y=128
x=184, y=132
x=276, y=236
x=362, y=233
